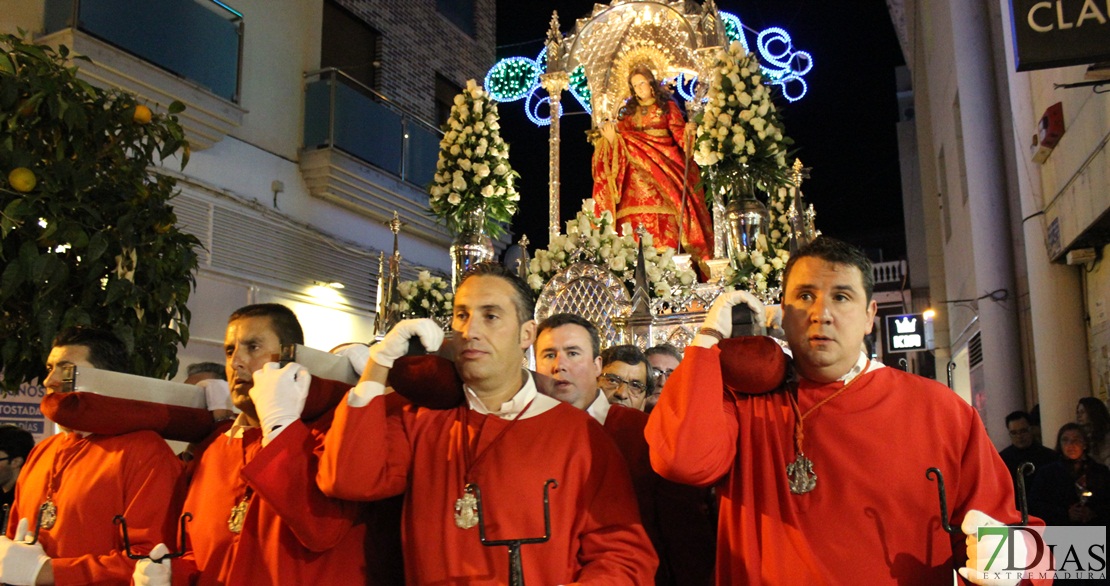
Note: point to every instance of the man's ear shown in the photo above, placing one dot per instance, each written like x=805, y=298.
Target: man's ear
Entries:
x=13, y=464
x=527, y=334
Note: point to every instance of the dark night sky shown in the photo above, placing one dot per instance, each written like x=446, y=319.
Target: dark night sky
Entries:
x=843, y=128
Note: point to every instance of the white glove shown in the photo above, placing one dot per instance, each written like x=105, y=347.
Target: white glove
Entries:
x=357, y=353
x=719, y=316
x=980, y=550
x=20, y=562
x=279, y=395
x=217, y=394
x=395, y=344
x=152, y=572
x=772, y=320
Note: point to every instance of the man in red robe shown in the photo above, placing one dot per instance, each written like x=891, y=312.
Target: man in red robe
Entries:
x=258, y=516
x=502, y=445
x=675, y=516
x=79, y=482
x=826, y=483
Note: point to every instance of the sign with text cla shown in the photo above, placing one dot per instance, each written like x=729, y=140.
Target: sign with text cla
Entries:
x=905, y=333
x=1058, y=33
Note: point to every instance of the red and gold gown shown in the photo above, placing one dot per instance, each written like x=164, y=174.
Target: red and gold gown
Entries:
x=639, y=178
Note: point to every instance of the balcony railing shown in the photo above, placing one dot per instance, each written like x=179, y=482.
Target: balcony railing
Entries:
x=199, y=40
x=887, y=273
x=344, y=114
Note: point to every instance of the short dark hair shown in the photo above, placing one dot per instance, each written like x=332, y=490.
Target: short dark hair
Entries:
x=837, y=252
x=556, y=320
x=207, y=367
x=629, y=354
x=664, y=350
x=522, y=298
x=106, y=350
x=16, y=441
x=1018, y=416
x=283, y=320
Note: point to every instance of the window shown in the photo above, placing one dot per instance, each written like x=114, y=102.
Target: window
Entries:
x=350, y=45
x=460, y=13
x=446, y=90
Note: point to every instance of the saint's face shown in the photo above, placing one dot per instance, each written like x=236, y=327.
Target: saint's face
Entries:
x=250, y=342
x=826, y=315
x=641, y=87
x=62, y=356
x=565, y=353
x=490, y=338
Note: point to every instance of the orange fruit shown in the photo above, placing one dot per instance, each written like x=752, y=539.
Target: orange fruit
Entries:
x=22, y=179
x=142, y=114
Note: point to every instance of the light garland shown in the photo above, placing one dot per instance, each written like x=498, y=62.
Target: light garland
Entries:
x=516, y=78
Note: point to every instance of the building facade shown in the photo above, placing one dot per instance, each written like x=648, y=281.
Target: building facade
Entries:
x=310, y=121
x=1018, y=324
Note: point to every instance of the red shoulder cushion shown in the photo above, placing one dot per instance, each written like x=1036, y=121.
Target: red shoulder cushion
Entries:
x=429, y=381
x=752, y=365
x=104, y=415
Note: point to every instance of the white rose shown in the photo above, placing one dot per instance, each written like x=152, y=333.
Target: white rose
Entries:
x=534, y=281
x=459, y=99
x=482, y=170
x=776, y=263
x=464, y=164
x=454, y=199
x=459, y=183
x=500, y=169
x=455, y=150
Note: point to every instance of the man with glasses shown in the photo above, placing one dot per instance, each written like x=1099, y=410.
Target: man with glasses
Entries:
x=624, y=376
x=567, y=348
x=663, y=358
x=1023, y=448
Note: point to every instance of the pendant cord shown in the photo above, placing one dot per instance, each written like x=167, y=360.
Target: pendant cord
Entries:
x=469, y=460
x=799, y=417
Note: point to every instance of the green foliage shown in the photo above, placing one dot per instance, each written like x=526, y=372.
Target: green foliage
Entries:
x=95, y=241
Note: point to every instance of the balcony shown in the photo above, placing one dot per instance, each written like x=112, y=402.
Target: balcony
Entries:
x=161, y=50
x=365, y=153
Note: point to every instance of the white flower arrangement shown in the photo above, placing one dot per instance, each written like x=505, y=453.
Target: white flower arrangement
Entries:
x=740, y=136
x=593, y=239
x=428, y=296
x=473, y=170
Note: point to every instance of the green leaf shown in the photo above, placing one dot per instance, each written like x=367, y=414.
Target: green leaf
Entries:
x=176, y=107
x=6, y=65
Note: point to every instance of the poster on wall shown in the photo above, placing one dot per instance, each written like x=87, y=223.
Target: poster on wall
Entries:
x=22, y=409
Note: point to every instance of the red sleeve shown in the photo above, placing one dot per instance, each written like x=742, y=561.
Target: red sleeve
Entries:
x=677, y=125
x=284, y=475
x=610, y=161
x=367, y=455
x=692, y=430
x=153, y=487
x=615, y=549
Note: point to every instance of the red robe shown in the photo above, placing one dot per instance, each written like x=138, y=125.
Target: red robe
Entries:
x=292, y=533
x=639, y=178
x=675, y=515
x=873, y=517
x=391, y=447
x=98, y=477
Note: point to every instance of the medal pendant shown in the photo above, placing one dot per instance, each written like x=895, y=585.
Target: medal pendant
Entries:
x=466, y=511
x=801, y=476
x=48, y=514
x=238, y=515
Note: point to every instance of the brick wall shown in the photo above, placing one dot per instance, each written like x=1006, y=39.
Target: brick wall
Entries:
x=418, y=42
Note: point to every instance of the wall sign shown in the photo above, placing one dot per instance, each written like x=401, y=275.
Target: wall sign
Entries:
x=1058, y=33
x=905, y=333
